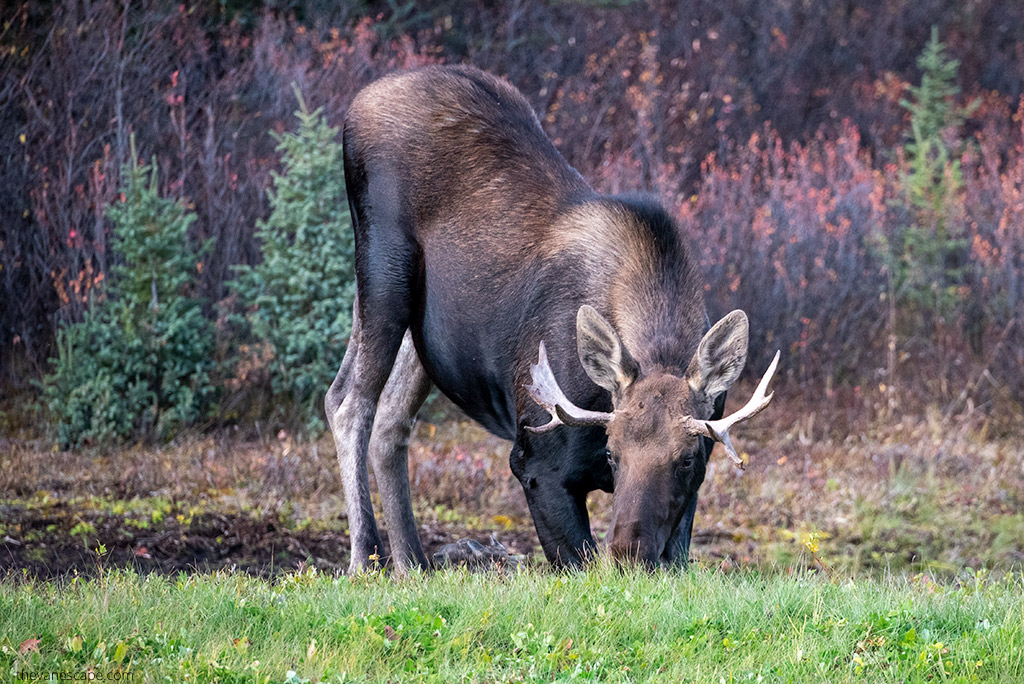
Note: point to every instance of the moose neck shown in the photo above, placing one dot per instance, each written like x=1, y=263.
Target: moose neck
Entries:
x=655, y=298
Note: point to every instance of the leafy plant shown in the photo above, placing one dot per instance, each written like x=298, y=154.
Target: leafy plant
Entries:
x=138, y=363
x=299, y=299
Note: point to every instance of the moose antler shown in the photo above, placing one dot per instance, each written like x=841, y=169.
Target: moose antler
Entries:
x=718, y=430
x=546, y=392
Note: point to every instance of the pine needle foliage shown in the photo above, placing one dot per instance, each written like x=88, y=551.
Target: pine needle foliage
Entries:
x=299, y=299
x=138, y=364
x=927, y=256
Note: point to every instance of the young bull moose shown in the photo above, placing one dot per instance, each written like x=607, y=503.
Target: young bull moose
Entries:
x=478, y=250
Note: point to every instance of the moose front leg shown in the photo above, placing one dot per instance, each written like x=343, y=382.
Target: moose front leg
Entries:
x=558, y=508
x=677, y=550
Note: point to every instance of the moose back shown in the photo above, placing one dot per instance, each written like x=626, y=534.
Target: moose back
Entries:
x=570, y=323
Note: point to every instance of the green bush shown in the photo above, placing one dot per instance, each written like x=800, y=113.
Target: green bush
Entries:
x=138, y=364
x=298, y=301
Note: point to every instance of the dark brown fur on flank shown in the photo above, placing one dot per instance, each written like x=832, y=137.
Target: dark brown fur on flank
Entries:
x=475, y=242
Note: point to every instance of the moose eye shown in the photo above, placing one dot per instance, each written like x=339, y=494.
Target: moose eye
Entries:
x=611, y=459
x=684, y=464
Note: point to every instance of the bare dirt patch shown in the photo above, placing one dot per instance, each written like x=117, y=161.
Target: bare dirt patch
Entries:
x=208, y=542
x=919, y=496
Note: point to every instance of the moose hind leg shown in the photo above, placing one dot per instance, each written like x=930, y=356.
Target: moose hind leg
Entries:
x=351, y=404
x=405, y=392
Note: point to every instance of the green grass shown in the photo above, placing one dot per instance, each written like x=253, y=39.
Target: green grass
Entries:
x=531, y=625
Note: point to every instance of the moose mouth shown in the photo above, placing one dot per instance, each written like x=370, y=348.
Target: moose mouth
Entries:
x=646, y=537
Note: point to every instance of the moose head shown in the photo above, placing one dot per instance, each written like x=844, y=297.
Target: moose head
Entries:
x=655, y=430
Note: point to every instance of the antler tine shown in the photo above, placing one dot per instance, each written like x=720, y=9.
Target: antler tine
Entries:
x=545, y=391
x=719, y=429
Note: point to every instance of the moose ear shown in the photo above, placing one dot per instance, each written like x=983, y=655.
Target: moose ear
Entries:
x=602, y=354
x=720, y=355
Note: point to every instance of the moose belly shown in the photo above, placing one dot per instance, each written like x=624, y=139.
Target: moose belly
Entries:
x=468, y=349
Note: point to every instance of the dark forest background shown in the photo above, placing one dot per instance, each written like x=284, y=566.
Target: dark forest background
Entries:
x=850, y=173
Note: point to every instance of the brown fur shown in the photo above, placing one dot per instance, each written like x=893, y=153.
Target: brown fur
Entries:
x=475, y=235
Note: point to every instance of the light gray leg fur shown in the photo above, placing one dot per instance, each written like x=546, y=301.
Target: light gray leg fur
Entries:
x=405, y=392
x=350, y=409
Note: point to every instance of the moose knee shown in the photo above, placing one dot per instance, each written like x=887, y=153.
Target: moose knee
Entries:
x=390, y=438
x=332, y=401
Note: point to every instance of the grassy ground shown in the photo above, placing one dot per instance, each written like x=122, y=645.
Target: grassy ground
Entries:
x=528, y=625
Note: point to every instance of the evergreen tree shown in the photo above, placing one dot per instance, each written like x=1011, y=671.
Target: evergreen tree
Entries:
x=927, y=256
x=138, y=364
x=299, y=299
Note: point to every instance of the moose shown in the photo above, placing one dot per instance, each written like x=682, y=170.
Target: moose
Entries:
x=571, y=323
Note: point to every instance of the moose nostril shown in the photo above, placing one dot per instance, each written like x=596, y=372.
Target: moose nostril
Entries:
x=632, y=546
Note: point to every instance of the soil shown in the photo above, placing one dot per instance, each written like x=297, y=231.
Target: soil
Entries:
x=207, y=543
x=921, y=497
